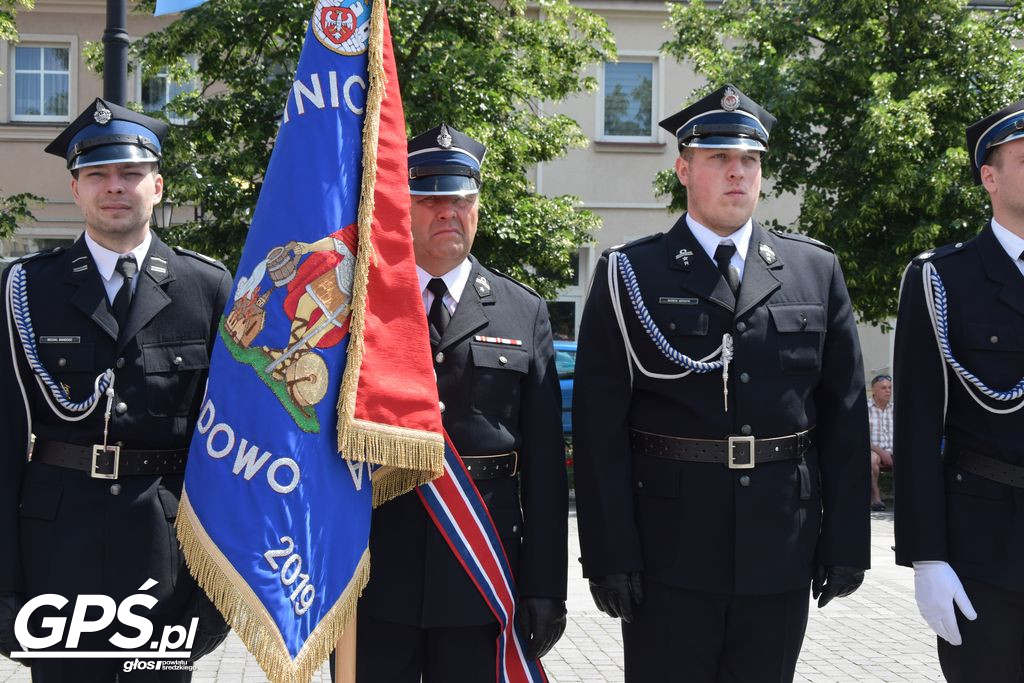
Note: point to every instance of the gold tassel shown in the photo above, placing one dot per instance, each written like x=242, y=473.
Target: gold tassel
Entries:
x=249, y=618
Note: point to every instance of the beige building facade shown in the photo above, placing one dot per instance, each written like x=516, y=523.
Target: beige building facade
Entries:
x=613, y=176
x=46, y=84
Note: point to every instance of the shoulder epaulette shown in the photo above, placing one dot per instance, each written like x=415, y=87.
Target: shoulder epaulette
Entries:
x=639, y=240
x=939, y=252
x=38, y=254
x=511, y=279
x=200, y=257
x=799, y=237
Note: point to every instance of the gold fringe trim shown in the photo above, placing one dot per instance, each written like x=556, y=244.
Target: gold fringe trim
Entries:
x=249, y=618
x=360, y=440
x=364, y=225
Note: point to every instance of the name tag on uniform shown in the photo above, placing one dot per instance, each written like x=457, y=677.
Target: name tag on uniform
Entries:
x=60, y=339
x=677, y=301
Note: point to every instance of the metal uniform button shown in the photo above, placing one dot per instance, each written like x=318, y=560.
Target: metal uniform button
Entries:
x=639, y=484
x=745, y=480
x=62, y=362
x=994, y=339
x=744, y=377
x=441, y=406
x=121, y=407
x=515, y=528
x=959, y=477
x=741, y=326
x=119, y=363
x=671, y=326
x=745, y=430
x=502, y=360
x=439, y=358
x=177, y=360
x=115, y=489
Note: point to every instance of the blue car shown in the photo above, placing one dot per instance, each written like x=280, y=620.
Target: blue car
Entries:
x=565, y=363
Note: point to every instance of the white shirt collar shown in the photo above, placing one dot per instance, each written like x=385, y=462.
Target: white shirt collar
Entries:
x=455, y=280
x=709, y=240
x=1012, y=243
x=106, y=260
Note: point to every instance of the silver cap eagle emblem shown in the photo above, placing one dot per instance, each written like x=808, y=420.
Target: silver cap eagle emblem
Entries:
x=730, y=100
x=102, y=115
x=444, y=139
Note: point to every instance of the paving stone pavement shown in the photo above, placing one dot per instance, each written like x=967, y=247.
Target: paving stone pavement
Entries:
x=874, y=635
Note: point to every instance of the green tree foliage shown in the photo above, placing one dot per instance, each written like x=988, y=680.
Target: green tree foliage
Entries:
x=484, y=67
x=872, y=98
x=15, y=207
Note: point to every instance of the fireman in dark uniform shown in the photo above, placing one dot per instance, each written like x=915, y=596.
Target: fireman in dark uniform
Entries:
x=719, y=424
x=501, y=406
x=103, y=365
x=959, y=375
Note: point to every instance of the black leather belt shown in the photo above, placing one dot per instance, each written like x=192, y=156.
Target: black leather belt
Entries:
x=492, y=466
x=987, y=467
x=736, y=452
x=110, y=464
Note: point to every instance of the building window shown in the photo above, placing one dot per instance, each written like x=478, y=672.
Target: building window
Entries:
x=42, y=82
x=156, y=91
x=565, y=312
x=629, y=100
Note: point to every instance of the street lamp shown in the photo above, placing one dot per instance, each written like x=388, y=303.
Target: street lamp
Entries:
x=115, y=53
x=163, y=214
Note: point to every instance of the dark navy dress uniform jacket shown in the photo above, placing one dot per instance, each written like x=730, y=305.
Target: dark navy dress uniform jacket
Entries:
x=61, y=531
x=944, y=513
x=497, y=398
x=702, y=526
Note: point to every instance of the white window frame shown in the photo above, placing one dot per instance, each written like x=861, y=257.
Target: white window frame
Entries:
x=576, y=294
x=657, y=63
x=137, y=73
x=40, y=40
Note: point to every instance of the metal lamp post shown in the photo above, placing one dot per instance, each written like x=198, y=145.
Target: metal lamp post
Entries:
x=115, y=53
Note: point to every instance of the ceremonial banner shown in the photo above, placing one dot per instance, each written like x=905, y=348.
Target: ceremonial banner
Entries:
x=171, y=6
x=323, y=349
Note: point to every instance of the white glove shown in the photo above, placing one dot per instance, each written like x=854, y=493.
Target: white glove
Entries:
x=936, y=588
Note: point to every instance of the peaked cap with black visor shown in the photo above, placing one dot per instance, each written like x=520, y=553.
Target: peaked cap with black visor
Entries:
x=1005, y=125
x=443, y=161
x=725, y=119
x=106, y=133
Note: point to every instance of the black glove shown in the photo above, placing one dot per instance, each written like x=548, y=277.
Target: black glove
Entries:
x=10, y=605
x=212, y=629
x=617, y=594
x=835, y=582
x=541, y=623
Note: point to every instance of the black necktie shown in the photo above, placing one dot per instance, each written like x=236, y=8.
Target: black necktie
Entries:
x=723, y=256
x=123, y=300
x=439, y=315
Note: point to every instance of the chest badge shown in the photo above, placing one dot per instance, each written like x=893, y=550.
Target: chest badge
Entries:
x=767, y=253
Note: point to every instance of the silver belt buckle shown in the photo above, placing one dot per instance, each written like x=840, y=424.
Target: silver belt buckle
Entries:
x=748, y=442
x=98, y=450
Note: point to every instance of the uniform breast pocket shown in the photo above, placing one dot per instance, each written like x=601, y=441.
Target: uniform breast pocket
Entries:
x=801, y=334
x=684, y=323
x=173, y=372
x=498, y=372
x=71, y=364
x=993, y=351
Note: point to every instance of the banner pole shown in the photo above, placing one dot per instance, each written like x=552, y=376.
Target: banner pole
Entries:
x=345, y=654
